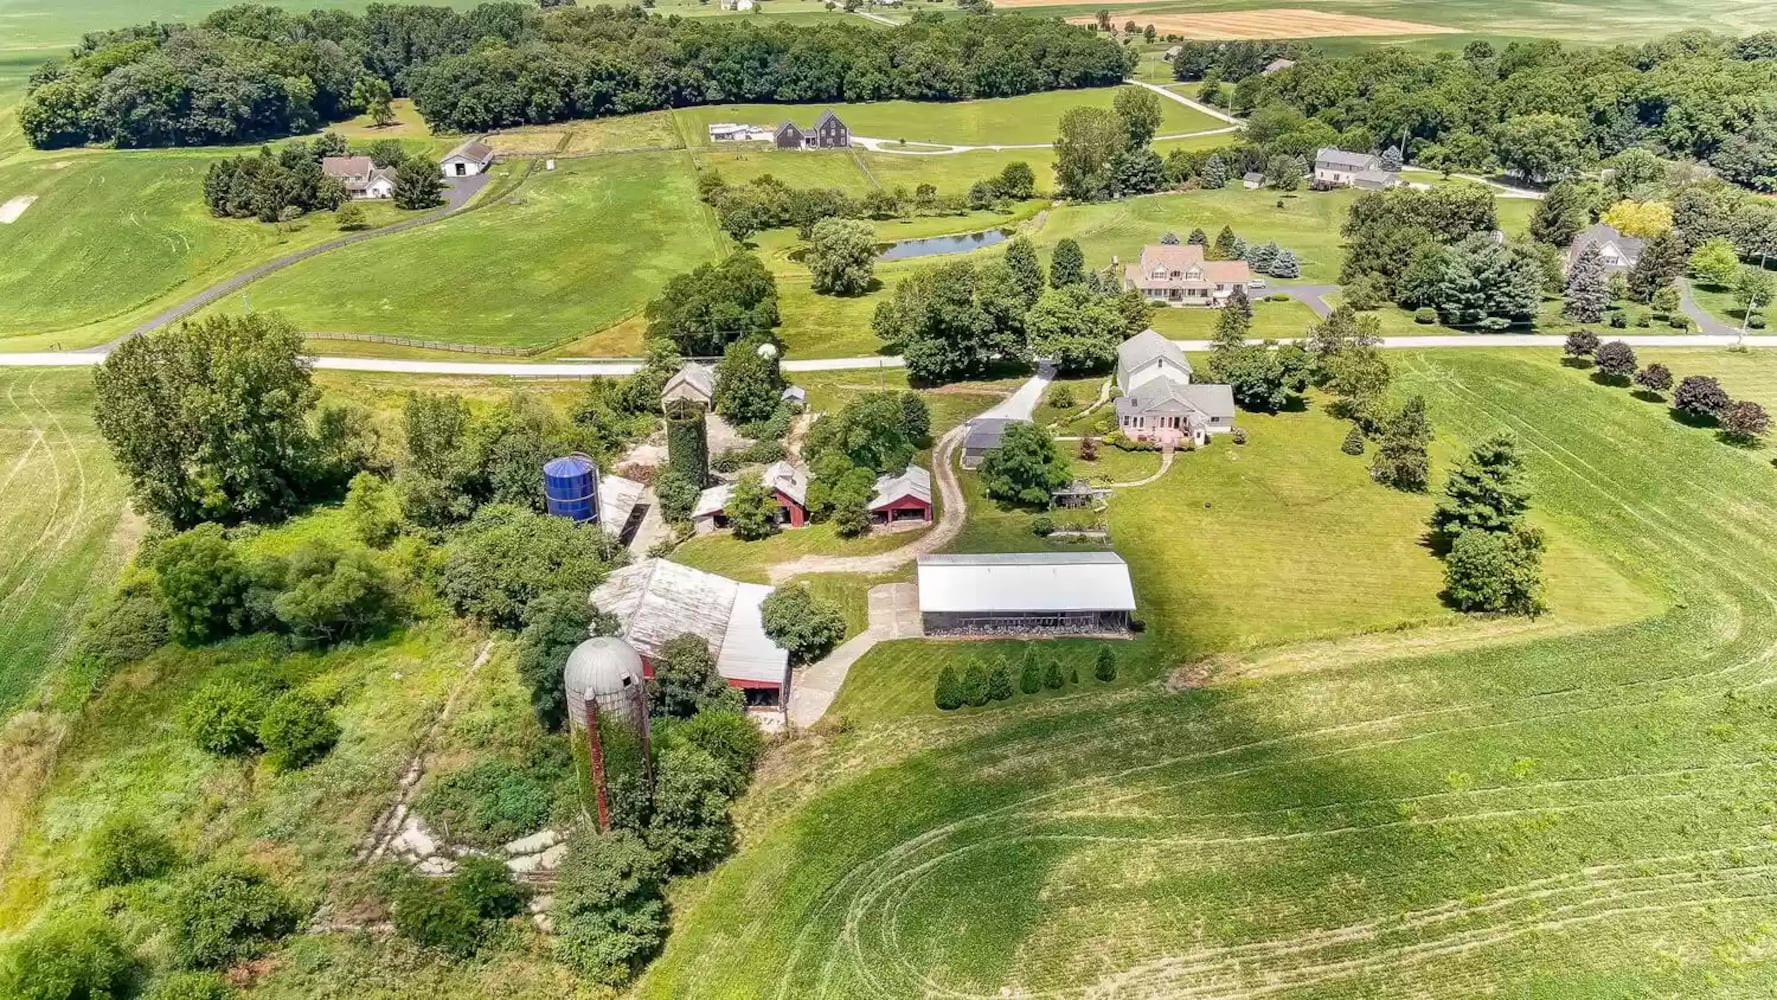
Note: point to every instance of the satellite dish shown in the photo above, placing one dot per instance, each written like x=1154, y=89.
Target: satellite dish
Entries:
x=768, y=350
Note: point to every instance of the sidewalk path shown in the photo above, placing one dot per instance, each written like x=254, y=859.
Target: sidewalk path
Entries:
x=894, y=614
x=457, y=194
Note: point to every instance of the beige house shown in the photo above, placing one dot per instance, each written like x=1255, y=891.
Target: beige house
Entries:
x=1177, y=275
x=1159, y=402
x=360, y=176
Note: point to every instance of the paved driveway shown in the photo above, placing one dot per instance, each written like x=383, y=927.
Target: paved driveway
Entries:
x=894, y=614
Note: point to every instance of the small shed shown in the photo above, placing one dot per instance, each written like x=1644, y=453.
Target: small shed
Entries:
x=656, y=601
x=1021, y=593
x=1172, y=53
x=796, y=396
x=902, y=499
x=471, y=158
x=711, y=512
x=1080, y=493
x=1252, y=180
x=789, y=485
x=692, y=383
x=984, y=435
x=620, y=506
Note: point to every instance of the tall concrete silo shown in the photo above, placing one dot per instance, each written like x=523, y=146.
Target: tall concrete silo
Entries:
x=608, y=727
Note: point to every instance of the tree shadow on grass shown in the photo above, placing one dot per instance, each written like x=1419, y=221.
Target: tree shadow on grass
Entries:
x=1572, y=362
x=1689, y=419
x=1648, y=396
x=1612, y=381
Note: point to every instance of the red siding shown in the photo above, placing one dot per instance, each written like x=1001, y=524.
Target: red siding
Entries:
x=893, y=507
x=798, y=513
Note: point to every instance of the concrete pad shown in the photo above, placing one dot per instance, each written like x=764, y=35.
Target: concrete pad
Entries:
x=15, y=207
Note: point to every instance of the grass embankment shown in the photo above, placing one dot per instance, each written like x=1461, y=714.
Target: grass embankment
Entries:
x=1506, y=808
x=61, y=501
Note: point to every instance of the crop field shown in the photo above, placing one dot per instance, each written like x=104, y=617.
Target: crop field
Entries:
x=1277, y=22
x=60, y=503
x=571, y=251
x=1507, y=809
x=1031, y=118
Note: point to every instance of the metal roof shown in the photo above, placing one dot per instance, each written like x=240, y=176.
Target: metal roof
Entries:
x=986, y=432
x=692, y=381
x=786, y=479
x=657, y=601
x=912, y=482
x=1025, y=581
x=713, y=500
x=1344, y=158
x=475, y=150
x=618, y=498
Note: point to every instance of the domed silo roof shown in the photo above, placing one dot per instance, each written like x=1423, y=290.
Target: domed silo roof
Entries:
x=601, y=668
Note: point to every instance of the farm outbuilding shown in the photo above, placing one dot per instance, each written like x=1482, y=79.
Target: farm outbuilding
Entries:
x=656, y=601
x=467, y=160
x=902, y=499
x=1018, y=593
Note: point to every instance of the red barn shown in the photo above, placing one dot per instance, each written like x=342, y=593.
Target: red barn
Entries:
x=903, y=499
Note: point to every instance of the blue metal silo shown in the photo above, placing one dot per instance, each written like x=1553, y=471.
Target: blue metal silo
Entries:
x=571, y=487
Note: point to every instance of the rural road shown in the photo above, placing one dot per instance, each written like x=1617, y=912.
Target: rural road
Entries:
x=457, y=193
x=610, y=369
x=1213, y=112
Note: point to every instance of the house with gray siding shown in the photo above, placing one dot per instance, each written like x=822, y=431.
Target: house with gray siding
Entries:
x=828, y=132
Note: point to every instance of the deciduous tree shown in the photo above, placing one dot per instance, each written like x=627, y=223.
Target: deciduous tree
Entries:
x=1025, y=468
x=841, y=257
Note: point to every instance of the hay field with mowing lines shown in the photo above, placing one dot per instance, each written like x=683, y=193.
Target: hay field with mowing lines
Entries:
x=1485, y=810
x=60, y=503
x=1279, y=22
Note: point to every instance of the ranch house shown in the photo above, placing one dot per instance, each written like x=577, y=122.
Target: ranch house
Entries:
x=656, y=601
x=828, y=132
x=467, y=160
x=1159, y=402
x=1177, y=275
x=1023, y=593
x=360, y=176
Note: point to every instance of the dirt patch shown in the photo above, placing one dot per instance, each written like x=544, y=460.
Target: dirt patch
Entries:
x=1287, y=22
x=1192, y=676
x=10, y=212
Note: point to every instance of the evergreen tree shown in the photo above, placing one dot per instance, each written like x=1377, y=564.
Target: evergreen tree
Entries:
x=1052, y=675
x=974, y=686
x=1030, y=676
x=1224, y=248
x=1215, y=173
x=1262, y=256
x=1169, y=240
x=1391, y=159
x=1661, y=261
x=1401, y=460
x=1198, y=238
x=1027, y=270
x=1354, y=441
x=1486, y=491
x=1232, y=327
x=1073, y=675
x=1587, y=296
x=1067, y=266
x=999, y=683
x=418, y=185
x=950, y=693
x=1238, y=302
x=1284, y=265
x=1105, y=666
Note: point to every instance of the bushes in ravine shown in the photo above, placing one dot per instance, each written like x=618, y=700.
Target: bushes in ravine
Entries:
x=125, y=849
x=225, y=913
x=455, y=914
x=296, y=731
x=497, y=799
x=192, y=986
x=68, y=957
x=610, y=912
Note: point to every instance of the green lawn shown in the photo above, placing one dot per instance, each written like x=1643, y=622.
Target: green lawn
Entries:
x=61, y=501
x=1004, y=121
x=114, y=237
x=1566, y=808
x=569, y=252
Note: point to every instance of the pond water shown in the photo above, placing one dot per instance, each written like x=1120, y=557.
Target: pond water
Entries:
x=932, y=246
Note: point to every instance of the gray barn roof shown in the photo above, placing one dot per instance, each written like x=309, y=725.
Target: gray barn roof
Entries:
x=985, y=432
x=1328, y=156
x=1602, y=233
x=657, y=601
x=480, y=152
x=912, y=482
x=1025, y=581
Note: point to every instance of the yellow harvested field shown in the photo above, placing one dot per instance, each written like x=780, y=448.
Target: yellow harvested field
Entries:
x=1288, y=22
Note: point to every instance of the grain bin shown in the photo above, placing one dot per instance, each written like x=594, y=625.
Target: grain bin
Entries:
x=570, y=487
x=607, y=695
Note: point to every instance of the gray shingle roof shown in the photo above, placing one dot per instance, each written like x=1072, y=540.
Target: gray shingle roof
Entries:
x=1327, y=156
x=474, y=149
x=1142, y=349
x=1602, y=233
x=912, y=482
x=986, y=432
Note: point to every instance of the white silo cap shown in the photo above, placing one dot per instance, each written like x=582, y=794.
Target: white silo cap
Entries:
x=768, y=350
x=601, y=666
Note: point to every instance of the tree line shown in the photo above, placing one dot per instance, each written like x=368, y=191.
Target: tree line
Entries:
x=254, y=72
x=1540, y=109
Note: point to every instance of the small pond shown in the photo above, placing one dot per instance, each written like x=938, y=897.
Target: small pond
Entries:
x=931, y=246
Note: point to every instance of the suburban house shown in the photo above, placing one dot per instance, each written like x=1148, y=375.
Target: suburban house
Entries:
x=1347, y=169
x=902, y=499
x=1159, y=402
x=360, y=175
x=983, y=436
x=1020, y=593
x=828, y=132
x=469, y=159
x=1177, y=274
x=740, y=5
x=788, y=486
x=692, y=383
x=1276, y=66
x=656, y=601
x=1619, y=252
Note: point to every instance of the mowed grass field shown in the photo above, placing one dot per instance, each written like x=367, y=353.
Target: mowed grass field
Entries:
x=570, y=252
x=61, y=501
x=112, y=237
x=1512, y=809
x=1027, y=119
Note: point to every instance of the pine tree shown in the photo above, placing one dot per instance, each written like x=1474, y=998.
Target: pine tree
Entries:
x=1169, y=240
x=999, y=683
x=1354, y=441
x=1073, y=675
x=1067, y=266
x=1261, y=257
x=1240, y=250
x=1027, y=270
x=1052, y=675
x=1232, y=326
x=1391, y=159
x=1486, y=491
x=1224, y=245
x=1284, y=265
x=1030, y=677
x=1662, y=260
x=1105, y=667
x=1215, y=173
x=949, y=694
x=1198, y=238
x=974, y=686
x=1238, y=301
x=1587, y=295
x=1401, y=460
